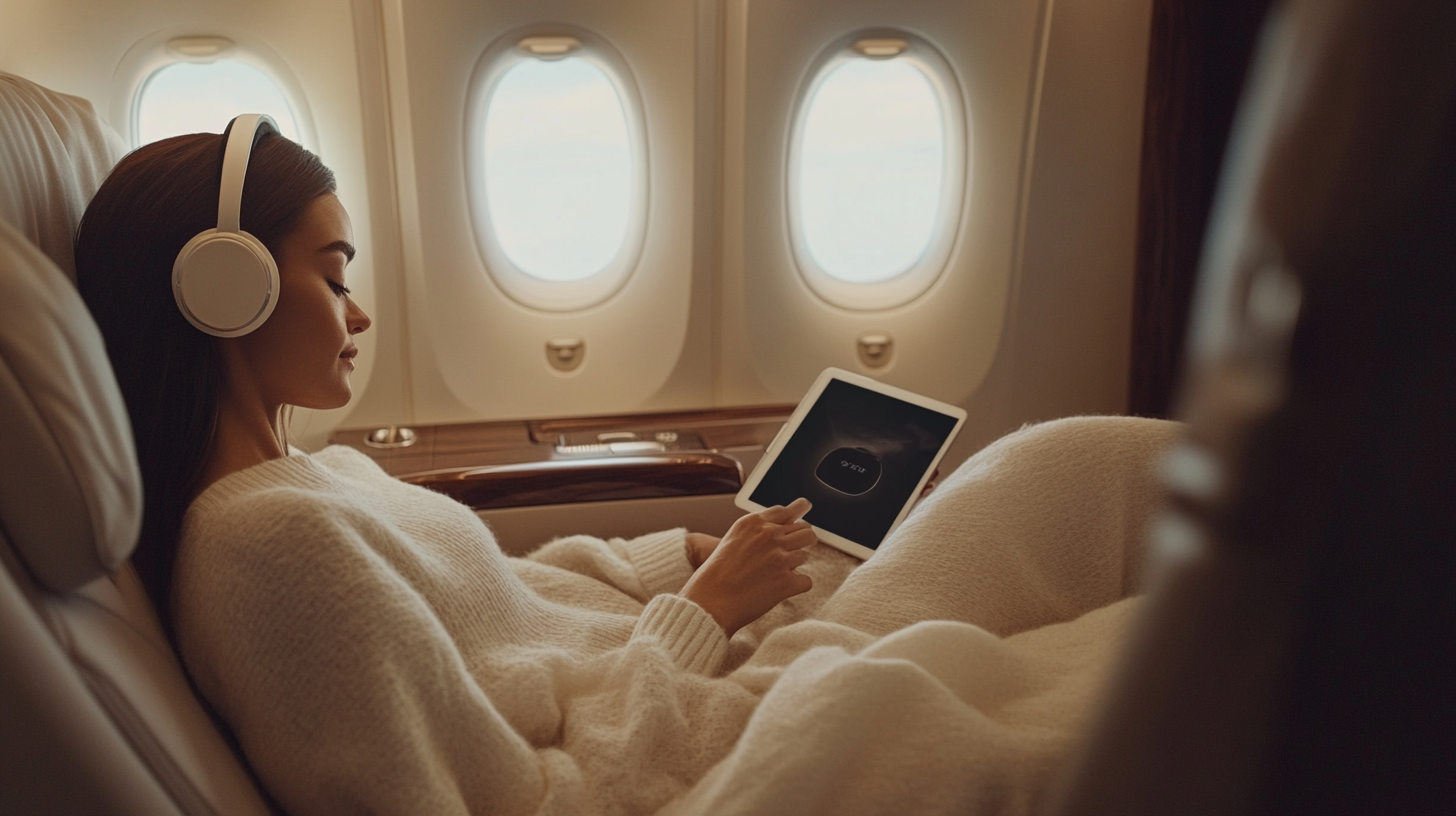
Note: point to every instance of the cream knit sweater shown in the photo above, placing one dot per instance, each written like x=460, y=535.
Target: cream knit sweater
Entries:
x=375, y=651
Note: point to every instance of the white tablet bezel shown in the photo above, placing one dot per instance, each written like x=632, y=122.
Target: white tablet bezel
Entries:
x=771, y=453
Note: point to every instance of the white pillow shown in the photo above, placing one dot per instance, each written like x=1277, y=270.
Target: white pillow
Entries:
x=70, y=489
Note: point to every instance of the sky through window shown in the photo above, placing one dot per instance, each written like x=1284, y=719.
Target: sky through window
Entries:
x=188, y=97
x=558, y=168
x=871, y=168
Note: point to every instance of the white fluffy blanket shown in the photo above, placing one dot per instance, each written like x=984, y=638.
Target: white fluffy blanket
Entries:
x=1035, y=546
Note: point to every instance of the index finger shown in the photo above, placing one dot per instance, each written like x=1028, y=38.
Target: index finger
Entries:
x=786, y=515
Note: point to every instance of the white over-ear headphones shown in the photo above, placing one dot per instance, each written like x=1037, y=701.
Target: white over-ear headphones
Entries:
x=225, y=281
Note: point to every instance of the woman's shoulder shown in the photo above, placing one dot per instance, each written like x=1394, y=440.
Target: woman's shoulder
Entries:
x=278, y=540
x=286, y=525
x=336, y=493
x=326, y=473
x=298, y=493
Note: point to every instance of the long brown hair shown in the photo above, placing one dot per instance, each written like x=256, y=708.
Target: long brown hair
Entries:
x=170, y=373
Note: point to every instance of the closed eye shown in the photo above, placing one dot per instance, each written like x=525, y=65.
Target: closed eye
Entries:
x=339, y=288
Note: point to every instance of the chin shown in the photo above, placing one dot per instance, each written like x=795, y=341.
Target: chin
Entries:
x=327, y=402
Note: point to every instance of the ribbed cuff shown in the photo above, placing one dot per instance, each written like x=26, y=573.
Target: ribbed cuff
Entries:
x=661, y=560
x=696, y=642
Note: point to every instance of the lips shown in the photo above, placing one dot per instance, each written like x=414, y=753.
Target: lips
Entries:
x=350, y=353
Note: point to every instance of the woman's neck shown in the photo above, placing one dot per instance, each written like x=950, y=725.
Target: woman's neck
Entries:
x=247, y=435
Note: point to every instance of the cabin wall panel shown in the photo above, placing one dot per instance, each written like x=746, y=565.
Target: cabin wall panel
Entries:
x=694, y=382
x=945, y=339
x=1081, y=237
x=1063, y=347
x=488, y=349
x=389, y=397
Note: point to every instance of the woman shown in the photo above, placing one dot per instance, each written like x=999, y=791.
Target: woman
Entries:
x=373, y=649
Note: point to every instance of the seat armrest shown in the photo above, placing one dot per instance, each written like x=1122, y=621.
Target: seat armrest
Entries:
x=570, y=481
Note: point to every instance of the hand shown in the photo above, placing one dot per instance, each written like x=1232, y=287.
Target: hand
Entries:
x=700, y=546
x=752, y=569
x=930, y=483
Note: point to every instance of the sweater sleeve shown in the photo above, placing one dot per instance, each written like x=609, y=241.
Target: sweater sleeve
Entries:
x=642, y=567
x=343, y=688
x=650, y=569
x=689, y=634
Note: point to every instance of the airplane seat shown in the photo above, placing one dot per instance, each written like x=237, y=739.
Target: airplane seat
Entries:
x=98, y=715
x=1295, y=654
x=57, y=151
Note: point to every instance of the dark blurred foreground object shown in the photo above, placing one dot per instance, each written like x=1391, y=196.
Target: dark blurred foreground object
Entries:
x=1297, y=653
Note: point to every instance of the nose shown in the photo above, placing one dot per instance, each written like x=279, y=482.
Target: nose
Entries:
x=357, y=320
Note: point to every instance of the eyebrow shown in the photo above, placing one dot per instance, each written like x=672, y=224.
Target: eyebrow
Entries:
x=340, y=246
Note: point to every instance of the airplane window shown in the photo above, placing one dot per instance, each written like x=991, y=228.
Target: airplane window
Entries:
x=876, y=171
x=202, y=97
x=558, y=168
x=557, y=165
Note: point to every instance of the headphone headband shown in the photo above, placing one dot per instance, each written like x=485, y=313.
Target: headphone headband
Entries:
x=243, y=133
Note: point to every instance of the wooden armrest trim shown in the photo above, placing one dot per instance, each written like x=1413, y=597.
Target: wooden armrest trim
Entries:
x=570, y=481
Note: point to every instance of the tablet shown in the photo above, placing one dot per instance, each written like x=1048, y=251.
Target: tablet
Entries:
x=860, y=451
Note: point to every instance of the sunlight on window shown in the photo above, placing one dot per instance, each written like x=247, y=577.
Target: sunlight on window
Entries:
x=188, y=97
x=871, y=166
x=558, y=168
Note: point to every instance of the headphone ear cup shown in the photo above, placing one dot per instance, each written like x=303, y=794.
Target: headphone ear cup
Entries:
x=225, y=283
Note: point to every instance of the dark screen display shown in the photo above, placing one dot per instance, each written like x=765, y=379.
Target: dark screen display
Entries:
x=858, y=456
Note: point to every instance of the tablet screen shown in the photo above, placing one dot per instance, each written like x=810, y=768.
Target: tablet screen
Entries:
x=858, y=456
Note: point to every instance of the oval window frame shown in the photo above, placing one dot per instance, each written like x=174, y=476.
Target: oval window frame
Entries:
x=955, y=121
x=526, y=289
x=151, y=54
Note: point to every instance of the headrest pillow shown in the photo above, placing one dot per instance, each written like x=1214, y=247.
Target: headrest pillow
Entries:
x=70, y=489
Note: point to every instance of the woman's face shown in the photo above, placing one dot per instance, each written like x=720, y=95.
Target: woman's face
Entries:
x=303, y=355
